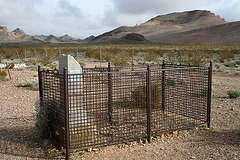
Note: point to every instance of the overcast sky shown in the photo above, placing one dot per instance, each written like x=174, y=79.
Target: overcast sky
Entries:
x=82, y=18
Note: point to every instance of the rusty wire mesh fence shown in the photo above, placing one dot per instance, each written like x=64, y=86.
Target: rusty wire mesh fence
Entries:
x=104, y=106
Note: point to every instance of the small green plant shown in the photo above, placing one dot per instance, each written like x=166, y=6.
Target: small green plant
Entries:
x=82, y=64
x=3, y=74
x=140, y=95
x=233, y=94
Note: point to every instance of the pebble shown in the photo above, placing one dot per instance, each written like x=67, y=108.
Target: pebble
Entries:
x=94, y=149
x=145, y=141
x=175, y=132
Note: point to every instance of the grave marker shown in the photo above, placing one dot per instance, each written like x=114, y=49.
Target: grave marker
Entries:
x=80, y=127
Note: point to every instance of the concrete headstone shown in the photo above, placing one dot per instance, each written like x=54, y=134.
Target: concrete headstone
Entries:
x=80, y=127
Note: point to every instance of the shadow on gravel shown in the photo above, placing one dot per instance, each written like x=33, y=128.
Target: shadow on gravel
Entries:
x=222, y=137
x=20, y=142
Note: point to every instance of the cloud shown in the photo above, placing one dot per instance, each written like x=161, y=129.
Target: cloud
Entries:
x=158, y=6
x=82, y=18
x=17, y=13
x=130, y=12
x=230, y=10
x=69, y=18
x=65, y=9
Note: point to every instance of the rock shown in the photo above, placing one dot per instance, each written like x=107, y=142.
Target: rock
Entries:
x=94, y=149
x=192, y=157
x=89, y=149
x=175, y=132
x=145, y=141
x=126, y=119
x=163, y=136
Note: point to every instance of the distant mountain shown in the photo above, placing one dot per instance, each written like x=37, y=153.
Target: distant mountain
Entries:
x=177, y=28
x=228, y=33
x=41, y=36
x=5, y=34
x=125, y=38
x=88, y=39
x=66, y=37
x=53, y=39
x=19, y=33
x=19, y=36
x=174, y=28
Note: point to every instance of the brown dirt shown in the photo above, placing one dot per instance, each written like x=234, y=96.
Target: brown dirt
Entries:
x=222, y=141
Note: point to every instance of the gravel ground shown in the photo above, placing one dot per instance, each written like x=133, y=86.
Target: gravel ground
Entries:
x=222, y=141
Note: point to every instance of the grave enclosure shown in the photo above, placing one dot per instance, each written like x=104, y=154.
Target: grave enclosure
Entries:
x=93, y=107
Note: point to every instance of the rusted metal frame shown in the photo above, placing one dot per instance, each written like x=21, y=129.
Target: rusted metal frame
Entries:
x=163, y=87
x=173, y=69
x=66, y=103
x=149, y=110
x=110, y=94
x=110, y=98
x=40, y=83
x=209, y=95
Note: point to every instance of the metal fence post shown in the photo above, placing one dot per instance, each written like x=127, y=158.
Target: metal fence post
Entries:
x=40, y=83
x=66, y=104
x=163, y=86
x=209, y=95
x=149, y=103
x=110, y=107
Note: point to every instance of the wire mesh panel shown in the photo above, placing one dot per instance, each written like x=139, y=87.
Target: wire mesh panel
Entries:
x=52, y=104
x=108, y=109
x=111, y=105
x=129, y=110
x=184, y=93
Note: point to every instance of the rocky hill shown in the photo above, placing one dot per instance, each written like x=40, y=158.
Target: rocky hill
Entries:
x=19, y=36
x=66, y=37
x=174, y=28
x=53, y=39
x=19, y=33
x=179, y=28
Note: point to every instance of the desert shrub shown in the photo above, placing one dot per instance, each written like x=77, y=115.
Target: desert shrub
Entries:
x=44, y=119
x=140, y=95
x=238, y=62
x=173, y=82
x=229, y=63
x=30, y=85
x=217, y=66
x=233, y=94
x=10, y=65
x=82, y=64
x=170, y=82
x=3, y=74
x=151, y=57
x=46, y=60
x=226, y=55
